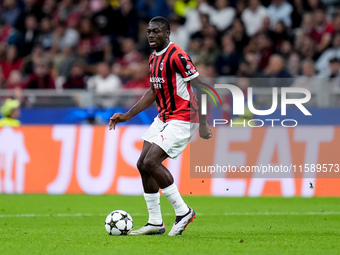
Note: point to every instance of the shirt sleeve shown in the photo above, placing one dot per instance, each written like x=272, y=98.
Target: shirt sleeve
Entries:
x=183, y=65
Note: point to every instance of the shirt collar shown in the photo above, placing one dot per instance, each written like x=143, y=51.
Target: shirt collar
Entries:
x=164, y=50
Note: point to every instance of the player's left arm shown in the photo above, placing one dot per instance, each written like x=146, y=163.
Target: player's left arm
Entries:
x=183, y=64
x=204, y=129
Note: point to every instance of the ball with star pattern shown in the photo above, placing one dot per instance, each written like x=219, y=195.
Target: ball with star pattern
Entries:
x=118, y=223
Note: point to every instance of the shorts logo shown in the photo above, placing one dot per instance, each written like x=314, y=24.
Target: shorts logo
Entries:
x=163, y=138
x=188, y=66
x=161, y=66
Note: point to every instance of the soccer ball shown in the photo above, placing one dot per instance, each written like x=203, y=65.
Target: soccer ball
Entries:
x=118, y=223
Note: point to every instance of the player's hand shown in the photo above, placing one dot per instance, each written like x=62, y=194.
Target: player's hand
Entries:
x=205, y=131
x=116, y=118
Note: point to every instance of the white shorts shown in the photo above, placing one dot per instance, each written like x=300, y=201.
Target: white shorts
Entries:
x=172, y=136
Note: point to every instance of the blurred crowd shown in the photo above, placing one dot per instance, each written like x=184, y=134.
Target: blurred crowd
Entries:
x=100, y=45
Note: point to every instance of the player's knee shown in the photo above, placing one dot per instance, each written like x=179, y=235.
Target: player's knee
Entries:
x=150, y=164
x=141, y=166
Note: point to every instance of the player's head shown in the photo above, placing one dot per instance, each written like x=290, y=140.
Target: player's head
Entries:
x=158, y=33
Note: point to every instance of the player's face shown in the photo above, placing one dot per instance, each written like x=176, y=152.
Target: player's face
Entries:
x=158, y=36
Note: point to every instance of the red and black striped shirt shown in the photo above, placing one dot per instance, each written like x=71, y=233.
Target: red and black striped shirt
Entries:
x=170, y=73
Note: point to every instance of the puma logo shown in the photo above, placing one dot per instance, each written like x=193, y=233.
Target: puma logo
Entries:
x=163, y=138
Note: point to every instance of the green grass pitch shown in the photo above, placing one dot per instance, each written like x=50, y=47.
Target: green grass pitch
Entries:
x=74, y=224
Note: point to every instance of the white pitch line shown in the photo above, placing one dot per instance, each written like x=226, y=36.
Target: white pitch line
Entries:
x=32, y=215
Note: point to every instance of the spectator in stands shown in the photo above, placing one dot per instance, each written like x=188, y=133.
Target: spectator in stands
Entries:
x=336, y=23
x=275, y=67
x=66, y=11
x=130, y=55
x=49, y=7
x=307, y=48
x=106, y=20
x=64, y=40
x=31, y=8
x=252, y=61
x=334, y=74
x=221, y=15
x=84, y=8
x=334, y=68
x=238, y=34
x=130, y=18
x=139, y=80
x=148, y=9
x=305, y=29
x=98, y=46
x=308, y=79
x=293, y=64
x=77, y=78
x=208, y=72
x=140, y=76
x=240, y=7
x=5, y=31
x=322, y=64
x=308, y=68
x=46, y=33
x=11, y=62
x=322, y=31
x=10, y=112
x=194, y=49
x=263, y=47
x=312, y=5
x=285, y=49
x=104, y=84
x=178, y=34
x=280, y=10
x=11, y=12
x=193, y=20
x=41, y=78
x=31, y=59
x=245, y=68
x=208, y=52
x=15, y=79
x=253, y=17
x=30, y=35
x=228, y=60
x=209, y=30
x=265, y=27
x=80, y=54
x=275, y=71
x=280, y=34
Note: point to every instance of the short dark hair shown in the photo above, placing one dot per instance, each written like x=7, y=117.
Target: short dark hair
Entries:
x=161, y=20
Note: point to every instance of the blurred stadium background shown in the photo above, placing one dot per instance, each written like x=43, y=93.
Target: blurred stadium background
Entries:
x=72, y=64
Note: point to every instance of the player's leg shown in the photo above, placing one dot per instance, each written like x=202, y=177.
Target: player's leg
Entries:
x=149, y=183
x=152, y=198
x=153, y=162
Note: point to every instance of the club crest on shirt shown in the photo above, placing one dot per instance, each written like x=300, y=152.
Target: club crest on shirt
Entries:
x=188, y=66
x=161, y=66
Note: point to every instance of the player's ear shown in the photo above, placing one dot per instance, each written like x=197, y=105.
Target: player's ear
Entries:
x=168, y=34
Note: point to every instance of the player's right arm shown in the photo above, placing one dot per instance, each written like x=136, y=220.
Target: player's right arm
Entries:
x=148, y=98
